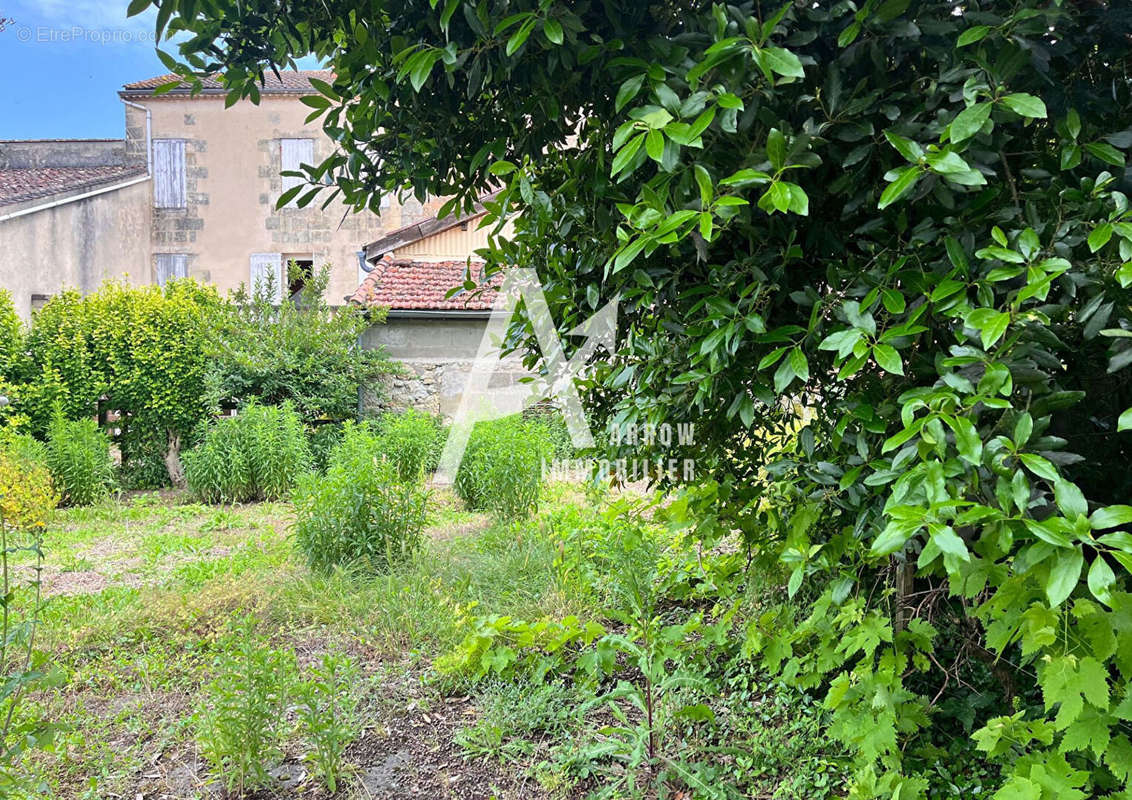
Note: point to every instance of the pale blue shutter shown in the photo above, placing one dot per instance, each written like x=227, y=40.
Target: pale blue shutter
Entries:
x=293, y=153
x=169, y=173
x=171, y=265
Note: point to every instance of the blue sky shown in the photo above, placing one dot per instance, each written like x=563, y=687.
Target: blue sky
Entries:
x=63, y=62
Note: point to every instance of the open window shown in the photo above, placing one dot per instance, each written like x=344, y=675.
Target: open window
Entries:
x=299, y=272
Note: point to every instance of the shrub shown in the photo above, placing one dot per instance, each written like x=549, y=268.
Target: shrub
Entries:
x=26, y=501
x=12, y=359
x=501, y=471
x=144, y=444
x=306, y=351
x=322, y=439
x=217, y=470
x=360, y=512
x=412, y=441
x=27, y=494
x=138, y=350
x=23, y=446
x=241, y=716
x=558, y=435
x=257, y=455
x=78, y=455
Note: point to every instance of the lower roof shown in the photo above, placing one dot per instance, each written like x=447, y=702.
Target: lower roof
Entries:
x=34, y=183
x=402, y=285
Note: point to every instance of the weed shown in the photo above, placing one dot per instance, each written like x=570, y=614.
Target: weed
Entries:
x=240, y=719
x=257, y=455
x=501, y=471
x=220, y=521
x=513, y=719
x=412, y=440
x=359, y=513
x=327, y=713
x=78, y=455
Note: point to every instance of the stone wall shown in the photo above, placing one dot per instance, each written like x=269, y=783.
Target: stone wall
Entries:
x=435, y=387
x=41, y=153
x=437, y=354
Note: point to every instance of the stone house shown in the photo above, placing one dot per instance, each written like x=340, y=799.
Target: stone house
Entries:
x=190, y=190
x=72, y=213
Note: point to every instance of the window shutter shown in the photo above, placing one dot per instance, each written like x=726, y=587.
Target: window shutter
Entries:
x=292, y=154
x=171, y=265
x=169, y=173
x=267, y=268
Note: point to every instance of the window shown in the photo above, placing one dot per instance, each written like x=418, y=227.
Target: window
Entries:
x=266, y=273
x=299, y=271
x=171, y=265
x=293, y=153
x=169, y=173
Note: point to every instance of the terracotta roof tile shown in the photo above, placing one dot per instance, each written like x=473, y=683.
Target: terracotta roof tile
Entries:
x=399, y=284
x=289, y=82
x=20, y=185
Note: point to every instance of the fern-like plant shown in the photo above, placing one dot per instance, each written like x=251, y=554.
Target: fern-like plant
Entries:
x=78, y=455
x=360, y=512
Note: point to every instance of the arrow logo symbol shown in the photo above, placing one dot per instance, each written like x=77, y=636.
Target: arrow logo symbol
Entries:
x=481, y=402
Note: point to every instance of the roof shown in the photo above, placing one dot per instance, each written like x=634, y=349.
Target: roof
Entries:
x=289, y=82
x=21, y=185
x=409, y=234
x=40, y=141
x=401, y=285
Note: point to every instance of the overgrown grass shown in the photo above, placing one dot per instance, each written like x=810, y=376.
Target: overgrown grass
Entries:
x=139, y=651
x=142, y=647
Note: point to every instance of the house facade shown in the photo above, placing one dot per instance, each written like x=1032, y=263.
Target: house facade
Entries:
x=190, y=191
x=73, y=213
x=217, y=178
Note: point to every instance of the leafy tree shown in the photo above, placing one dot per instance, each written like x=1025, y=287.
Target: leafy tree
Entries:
x=909, y=217
x=301, y=351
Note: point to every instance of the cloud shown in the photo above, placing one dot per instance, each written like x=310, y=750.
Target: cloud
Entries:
x=89, y=14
